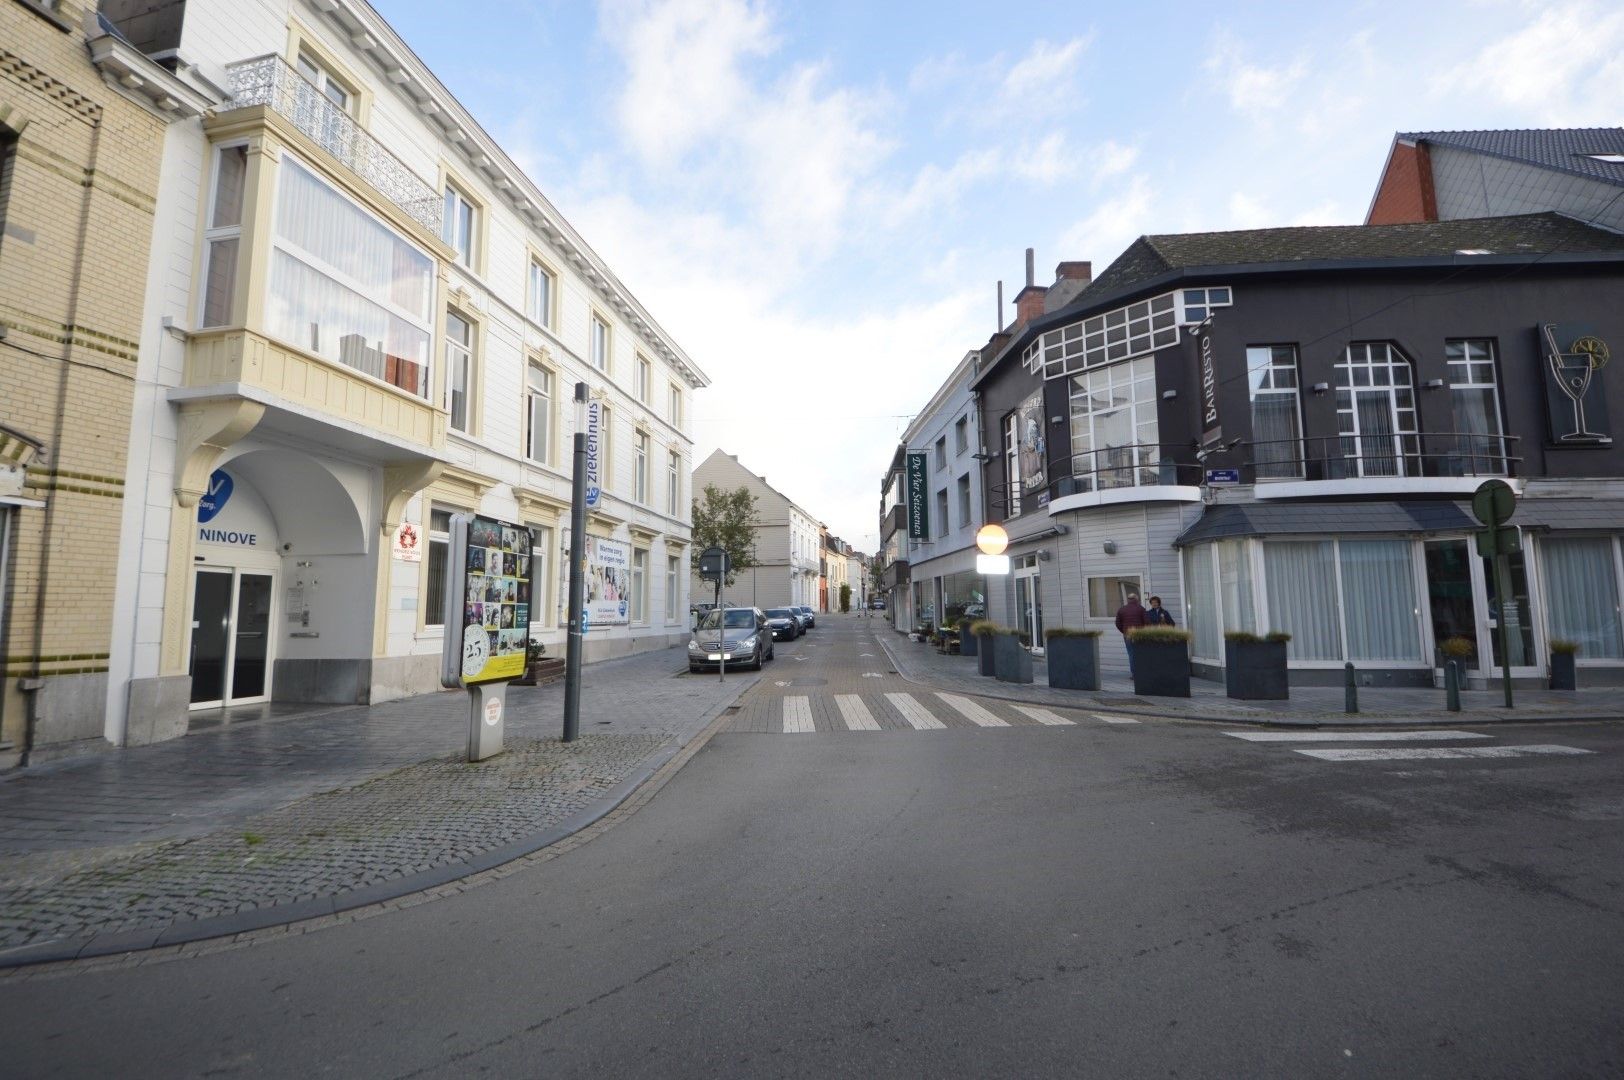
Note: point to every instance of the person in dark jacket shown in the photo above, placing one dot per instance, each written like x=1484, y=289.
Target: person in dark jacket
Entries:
x=1130, y=616
x=1156, y=615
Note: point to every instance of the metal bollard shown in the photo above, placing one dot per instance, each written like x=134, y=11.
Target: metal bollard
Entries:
x=1452, y=685
x=1350, y=691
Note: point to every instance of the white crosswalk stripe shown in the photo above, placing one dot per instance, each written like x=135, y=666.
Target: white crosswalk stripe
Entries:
x=1434, y=753
x=1356, y=736
x=913, y=712
x=1042, y=716
x=973, y=712
x=855, y=713
x=1115, y=719
x=797, y=715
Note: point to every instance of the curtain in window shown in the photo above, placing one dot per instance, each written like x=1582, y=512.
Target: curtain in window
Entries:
x=1582, y=588
x=1378, y=592
x=1477, y=425
x=1201, y=608
x=1277, y=452
x=314, y=312
x=1375, y=411
x=1235, y=585
x=1301, y=579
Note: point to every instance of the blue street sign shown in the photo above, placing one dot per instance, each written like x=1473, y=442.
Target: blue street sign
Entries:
x=592, y=496
x=1223, y=476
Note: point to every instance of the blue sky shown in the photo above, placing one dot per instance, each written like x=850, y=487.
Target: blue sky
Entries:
x=817, y=200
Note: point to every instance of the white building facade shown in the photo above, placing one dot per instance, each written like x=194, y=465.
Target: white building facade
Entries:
x=361, y=319
x=787, y=541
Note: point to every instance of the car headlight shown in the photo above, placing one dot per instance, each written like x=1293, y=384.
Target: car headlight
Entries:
x=694, y=646
x=747, y=643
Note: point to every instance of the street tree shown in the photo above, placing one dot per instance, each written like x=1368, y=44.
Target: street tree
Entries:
x=845, y=599
x=726, y=519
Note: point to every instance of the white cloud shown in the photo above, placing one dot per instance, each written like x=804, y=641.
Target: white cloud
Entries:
x=1111, y=159
x=1246, y=212
x=1255, y=90
x=1045, y=70
x=1115, y=223
x=1565, y=68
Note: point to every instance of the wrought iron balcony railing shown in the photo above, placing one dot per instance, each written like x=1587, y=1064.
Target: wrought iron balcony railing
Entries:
x=1386, y=454
x=270, y=81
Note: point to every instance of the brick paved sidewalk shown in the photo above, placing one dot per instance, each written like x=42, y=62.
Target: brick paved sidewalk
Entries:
x=255, y=824
x=1308, y=706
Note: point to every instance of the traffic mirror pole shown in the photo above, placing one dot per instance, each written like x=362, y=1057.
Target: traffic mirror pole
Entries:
x=572, y=648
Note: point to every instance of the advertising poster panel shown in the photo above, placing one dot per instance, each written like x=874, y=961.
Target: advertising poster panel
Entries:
x=496, y=601
x=1034, y=450
x=608, y=582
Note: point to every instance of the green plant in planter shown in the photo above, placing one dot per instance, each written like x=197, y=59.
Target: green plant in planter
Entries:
x=985, y=626
x=1158, y=635
x=1068, y=632
x=1278, y=636
x=1457, y=648
x=1246, y=637
x=1564, y=647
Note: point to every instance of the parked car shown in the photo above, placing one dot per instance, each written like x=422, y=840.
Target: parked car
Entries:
x=811, y=616
x=801, y=619
x=785, y=623
x=878, y=604
x=736, y=635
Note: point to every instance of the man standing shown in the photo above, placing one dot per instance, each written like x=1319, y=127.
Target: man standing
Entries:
x=1130, y=616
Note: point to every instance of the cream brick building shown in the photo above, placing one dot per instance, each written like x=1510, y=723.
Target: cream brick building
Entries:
x=82, y=126
x=359, y=317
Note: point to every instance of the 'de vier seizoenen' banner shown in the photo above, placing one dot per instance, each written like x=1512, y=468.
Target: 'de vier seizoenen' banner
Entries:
x=918, y=515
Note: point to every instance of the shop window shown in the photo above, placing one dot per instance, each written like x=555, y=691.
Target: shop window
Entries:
x=1277, y=429
x=1582, y=595
x=459, y=372
x=1107, y=594
x=347, y=287
x=439, y=554
x=539, y=294
x=1201, y=604
x=223, y=235
x=1474, y=399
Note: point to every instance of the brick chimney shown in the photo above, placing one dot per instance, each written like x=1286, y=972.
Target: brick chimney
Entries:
x=1029, y=301
x=1070, y=278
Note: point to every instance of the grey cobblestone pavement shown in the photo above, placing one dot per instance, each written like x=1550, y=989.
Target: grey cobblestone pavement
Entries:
x=1319, y=706
x=271, y=818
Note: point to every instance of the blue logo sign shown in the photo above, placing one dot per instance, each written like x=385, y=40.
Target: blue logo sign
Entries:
x=214, y=500
x=592, y=493
x=1223, y=476
x=623, y=609
x=586, y=619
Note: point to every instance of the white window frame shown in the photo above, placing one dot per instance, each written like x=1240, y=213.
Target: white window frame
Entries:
x=673, y=405
x=1012, y=463
x=1405, y=442
x=606, y=447
x=1144, y=469
x=640, y=453
x=545, y=393
x=456, y=198
x=461, y=353
x=639, y=583
x=541, y=577
x=1466, y=374
x=673, y=483
x=644, y=378
x=214, y=235
x=433, y=536
x=1265, y=359
x=600, y=342
x=673, y=586
x=540, y=313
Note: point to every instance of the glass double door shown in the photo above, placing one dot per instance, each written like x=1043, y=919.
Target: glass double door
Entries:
x=1029, y=607
x=1466, y=598
x=231, y=637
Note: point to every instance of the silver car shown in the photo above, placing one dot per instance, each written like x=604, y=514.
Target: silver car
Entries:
x=735, y=636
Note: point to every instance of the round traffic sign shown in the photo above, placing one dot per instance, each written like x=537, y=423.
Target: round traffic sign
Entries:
x=992, y=539
x=1494, y=502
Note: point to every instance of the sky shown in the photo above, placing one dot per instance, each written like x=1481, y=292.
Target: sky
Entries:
x=817, y=200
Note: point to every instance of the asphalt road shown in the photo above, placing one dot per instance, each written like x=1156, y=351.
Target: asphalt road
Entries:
x=1115, y=900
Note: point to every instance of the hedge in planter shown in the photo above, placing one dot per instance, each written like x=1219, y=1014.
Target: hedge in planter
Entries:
x=1073, y=658
x=984, y=630
x=1564, y=673
x=1161, y=661
x=1255, y=667
x=1010, y=660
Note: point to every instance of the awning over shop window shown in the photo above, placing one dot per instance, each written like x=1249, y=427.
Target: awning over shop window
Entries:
x=1389, y=516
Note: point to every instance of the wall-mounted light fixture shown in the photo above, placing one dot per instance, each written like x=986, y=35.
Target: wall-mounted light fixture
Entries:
x=1110, y=547
x=1321, y=387
x=1434, y=384
x=1169, y=395
x=1057, y=419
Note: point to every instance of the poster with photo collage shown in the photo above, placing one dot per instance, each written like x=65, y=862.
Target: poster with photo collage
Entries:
x=496, y=605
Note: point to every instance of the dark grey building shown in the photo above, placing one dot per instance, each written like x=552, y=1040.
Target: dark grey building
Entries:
x=1280, y=429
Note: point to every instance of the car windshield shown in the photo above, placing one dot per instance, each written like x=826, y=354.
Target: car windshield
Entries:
x=737, y=619
x=778, y=613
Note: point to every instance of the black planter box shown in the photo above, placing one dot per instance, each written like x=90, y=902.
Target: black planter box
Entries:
x=1255, y=670
x=1564, y=675
x=984, y=655
x=967, y=643
x=1161, y=669
x=1074, y=663
x=1011, y=662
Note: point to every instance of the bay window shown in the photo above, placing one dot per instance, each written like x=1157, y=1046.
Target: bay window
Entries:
x=224, y=235
x=1113, y=426
x=345, y=286
x=1277, y=430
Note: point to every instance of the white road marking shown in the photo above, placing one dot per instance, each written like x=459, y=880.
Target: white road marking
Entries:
x=1114, y=719
x=973, y=712
x=1430, y=753
x=913, y=712
x=855, y=713
x=867, y=654
x=780, y=682
x=1042, y=716
x=797, y=715
x=872, y=675
x=1355, y=736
